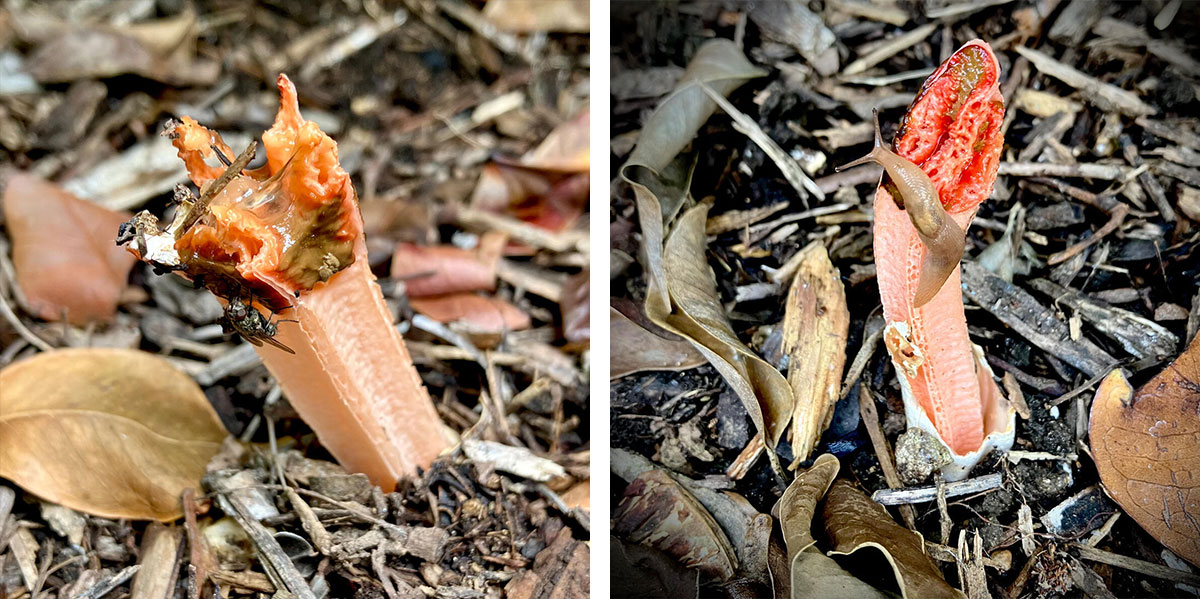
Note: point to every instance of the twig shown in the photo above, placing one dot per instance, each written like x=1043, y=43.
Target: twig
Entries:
x=866, y=405
x=889, y=49
x=927, y=494
x=278, y=565
x=105, y=587
x=1135, y=565
x=1104, y=95
x=796, y=176
x=1114, y=222
x=1085, y=170
x=1147, y=179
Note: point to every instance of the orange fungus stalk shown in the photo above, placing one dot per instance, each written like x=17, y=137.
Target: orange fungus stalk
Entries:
x=287, y=239
x=952, y=131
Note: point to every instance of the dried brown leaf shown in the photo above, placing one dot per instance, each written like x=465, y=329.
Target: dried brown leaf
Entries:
x=816, y=323
x=527, y=16
x=634, y=349
x=65, y=260
x=854, y=522
x=111, y=432
x=436, y=270
x=566, y=149
x=658, y=512
x=478, y=313
x=550, y=200
x=1145, y=449
x=813, y=574
x=798, y=504
x=721, y=65
x=697, y=315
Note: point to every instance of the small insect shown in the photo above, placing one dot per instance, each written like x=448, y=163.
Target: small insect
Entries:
x=252, y=325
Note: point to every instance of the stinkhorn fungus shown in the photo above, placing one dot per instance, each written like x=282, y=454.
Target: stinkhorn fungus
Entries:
x=952, y=135
x=287, y=238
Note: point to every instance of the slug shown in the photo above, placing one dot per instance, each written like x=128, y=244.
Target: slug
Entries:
x=916, y=195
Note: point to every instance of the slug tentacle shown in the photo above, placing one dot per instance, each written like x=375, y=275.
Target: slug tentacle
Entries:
x=916, y=194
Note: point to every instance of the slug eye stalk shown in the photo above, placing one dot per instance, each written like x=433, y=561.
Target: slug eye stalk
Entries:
x=915, y=193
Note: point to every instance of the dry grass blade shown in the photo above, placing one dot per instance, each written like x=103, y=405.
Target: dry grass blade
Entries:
x=746, y=125
x=815, y=325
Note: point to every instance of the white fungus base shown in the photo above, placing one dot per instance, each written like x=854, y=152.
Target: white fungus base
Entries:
x=1001, y=426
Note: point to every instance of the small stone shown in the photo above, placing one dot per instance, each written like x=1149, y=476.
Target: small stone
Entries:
x=343, y=487
x=918, y=454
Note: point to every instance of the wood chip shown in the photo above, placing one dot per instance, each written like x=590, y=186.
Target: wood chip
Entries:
x=1033, y=321
x=1104, y=95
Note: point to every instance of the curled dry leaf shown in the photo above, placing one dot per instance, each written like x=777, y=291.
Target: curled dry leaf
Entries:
x=436, y=270
x=854, y=522
x=813, y=574
x=111, y=432
x=748, y=530
x=698, y=316
x=720, y=64
x=634, y=349
x=657, y=511
x=815, y=325
x=798, y=504
x=1146, y=450
x=478, y=313
x=65, y=260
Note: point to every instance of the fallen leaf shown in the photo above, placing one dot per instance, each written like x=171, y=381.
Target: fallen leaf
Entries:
x=527, y=16
x=748, y=531
x=478, y=313
x=796, y=508
x=1145, y=449
x=102, y=51
x=657, y=511
x=634, y=349
x=696, y=314
x=552, y=201
x=566, y=149
x=110, y=432
x=720, y=64
x=816, y=323
x=436, y=270
x=854, y=522
x=65, y=260
x=575, y=308
x=813, y=574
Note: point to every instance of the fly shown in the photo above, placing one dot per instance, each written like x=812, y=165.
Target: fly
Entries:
x=252, y=325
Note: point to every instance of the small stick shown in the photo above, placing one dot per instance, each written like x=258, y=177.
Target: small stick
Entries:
x=927, y=494
x=1135, y=565
x=278, y=565
x=889, y=49
x=105, y=587
x=1084, y=170
x=883, y=452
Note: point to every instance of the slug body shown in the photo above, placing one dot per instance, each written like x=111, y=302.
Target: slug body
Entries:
x=916, y=194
